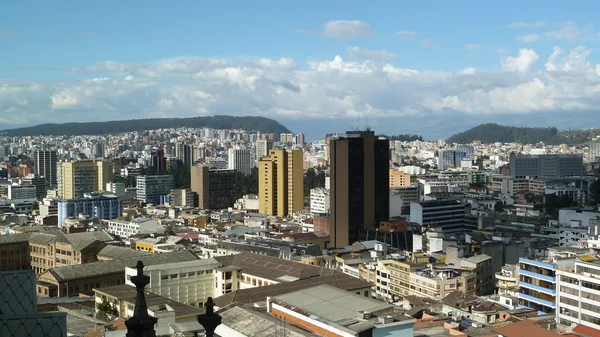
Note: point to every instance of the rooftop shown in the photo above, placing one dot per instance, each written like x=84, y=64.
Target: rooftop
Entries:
x=95, y=269
x=259, y=294
x=118, y=252
x=526, y=328
x=253, y=322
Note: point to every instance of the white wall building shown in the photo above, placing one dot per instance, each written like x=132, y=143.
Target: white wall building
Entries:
x=117, y=189
x=240, y=159
x=319, y=201
x=126, y=229
x=22, y=193
x=190, y=282
x=578, y=295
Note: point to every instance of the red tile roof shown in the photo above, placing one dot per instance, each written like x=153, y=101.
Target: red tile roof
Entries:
x=586, y=331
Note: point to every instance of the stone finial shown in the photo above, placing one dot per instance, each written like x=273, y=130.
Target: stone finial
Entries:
x=141, y=324
x=209, y=320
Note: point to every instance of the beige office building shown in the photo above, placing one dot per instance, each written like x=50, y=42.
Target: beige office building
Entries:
x=82, y=176
x=281, y=183
x=399, y=178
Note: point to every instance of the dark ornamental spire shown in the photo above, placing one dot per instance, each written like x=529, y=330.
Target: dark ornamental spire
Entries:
x=140, y=324
x=209, y=320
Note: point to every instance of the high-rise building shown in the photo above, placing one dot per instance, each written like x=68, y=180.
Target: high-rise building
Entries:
x=182, y=197
x=215, y=189
x=577, y=297
x=281, y=183
x=24, y=193
x=45, y=166
x=185, y=153
x=97, y=150
x=300, y=139
x=158, y=160
x=545, y=165
x=450, y=158
x=240, y=159
x=449, y=215
x=83, y=176
x=594, y=152
x=38, y=182
x=360, y=190
x=151, y=188
x=263, y=147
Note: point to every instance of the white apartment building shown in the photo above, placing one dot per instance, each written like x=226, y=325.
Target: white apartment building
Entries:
x=189, y=282
x=126, y=229
x=150, y=189
x=240, y=159
x=319, y=201
x=578, y=294
x=24, y=193
x=117, y=189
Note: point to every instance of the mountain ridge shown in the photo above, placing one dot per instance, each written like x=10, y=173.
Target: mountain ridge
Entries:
x=493, y=132
x=249, y=123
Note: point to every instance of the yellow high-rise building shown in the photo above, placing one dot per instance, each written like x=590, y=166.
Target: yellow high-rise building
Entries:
x=281, y=183
x=82, y=176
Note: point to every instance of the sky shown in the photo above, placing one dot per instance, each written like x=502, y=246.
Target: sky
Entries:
x=427, y=67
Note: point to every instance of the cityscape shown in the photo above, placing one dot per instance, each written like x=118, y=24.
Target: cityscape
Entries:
x=254, y=198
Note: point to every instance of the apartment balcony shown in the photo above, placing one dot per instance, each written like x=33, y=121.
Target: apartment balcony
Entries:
x=545, y=303
x=548, y=291
x=546, y=278
x=501, y=277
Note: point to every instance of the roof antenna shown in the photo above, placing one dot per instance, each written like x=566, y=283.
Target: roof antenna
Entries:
x=358, y=121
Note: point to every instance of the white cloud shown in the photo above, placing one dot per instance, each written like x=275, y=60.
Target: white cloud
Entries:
x=467, y=71
x=343, y=29
x=500, y=50
x=524, y=62
x=569, y=83
x=359, y=53
x=529, y=38
x=571, y=33
x=404, y=34
x=472, y=46
x=428, y=42
x=527, y=25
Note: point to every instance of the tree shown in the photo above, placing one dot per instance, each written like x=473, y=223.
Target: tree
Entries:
x=553, y=203
x=250, y=182
x=313, y=179
x=106, y=311
x=499, y=206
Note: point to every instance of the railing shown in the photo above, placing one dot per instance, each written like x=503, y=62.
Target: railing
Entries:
x=538, y=288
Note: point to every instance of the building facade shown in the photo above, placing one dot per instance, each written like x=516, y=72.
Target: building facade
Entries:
x=281, y=183
x=45, y=165
x=126, y=229
x=83, y=176
x=545, y=165
x=449, y=215
x=151, y=188
x=215, y=189
x=399, y=178
x=578, y=294
x=241, y=160
x=360, y=191
x=105, y=206
x=537, y=285
x=319, y=201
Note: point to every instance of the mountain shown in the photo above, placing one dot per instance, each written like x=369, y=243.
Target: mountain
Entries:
x=250, y=123
x=492, y=133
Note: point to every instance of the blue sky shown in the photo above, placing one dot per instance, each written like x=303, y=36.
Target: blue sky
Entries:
x=42, y=41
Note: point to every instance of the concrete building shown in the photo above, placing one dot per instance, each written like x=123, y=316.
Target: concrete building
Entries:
x=399, y=179
x=263, y=148
x=126, y=229
x=507, y=280
x=102, y=205
x=328, y=311
x=38, y=182
x=117, y=189
x=537, y=285
x=281, y=183
x=21, y=193
x=545, y=165
x=151, y=188
x=594, y=152
x=182, y=197
x=482, y=265
x=319, y=201
x=449, y=215
x=578, y=293
x=185, y=153
x=190, y=282
x=241, y=160
x=360, y=191
x=82, y=176
x=448, y=159
x=216, y=189
x=45, y=165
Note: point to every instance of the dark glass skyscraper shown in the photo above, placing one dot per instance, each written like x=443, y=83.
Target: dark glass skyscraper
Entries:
x=360, y=192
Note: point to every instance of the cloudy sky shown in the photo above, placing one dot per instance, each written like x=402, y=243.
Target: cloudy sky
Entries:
x=428, y=67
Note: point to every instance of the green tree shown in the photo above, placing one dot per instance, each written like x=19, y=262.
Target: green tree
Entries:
x=499, y=206
x=106, y=311
x=250, y=182
x=553, y=203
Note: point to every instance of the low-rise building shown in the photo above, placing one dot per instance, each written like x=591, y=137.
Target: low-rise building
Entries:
x=507, y=280
x=329, y=311
x=103, y=205
x=126, y=229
